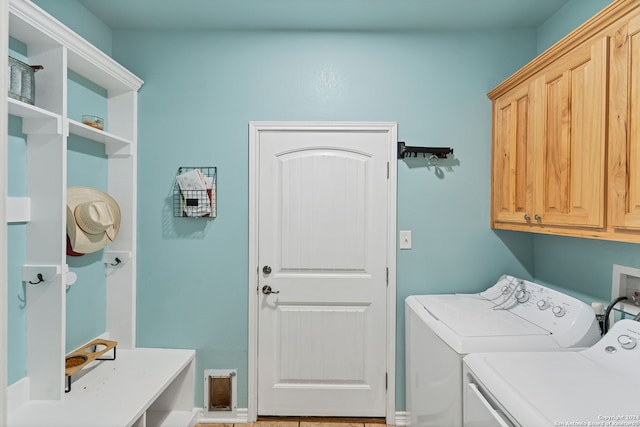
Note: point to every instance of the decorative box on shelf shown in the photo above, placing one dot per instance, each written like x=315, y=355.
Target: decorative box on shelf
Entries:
x=194, y=192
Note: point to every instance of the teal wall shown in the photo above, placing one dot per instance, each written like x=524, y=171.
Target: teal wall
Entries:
x=86, y=315
x=201, y=90
x=569, y=17
x=581, y=265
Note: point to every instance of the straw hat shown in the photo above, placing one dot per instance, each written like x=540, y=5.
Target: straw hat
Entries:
x=93, y=220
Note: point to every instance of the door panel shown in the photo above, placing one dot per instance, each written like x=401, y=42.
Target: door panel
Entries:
x=323, y=328
x=512, y=157
x=316, y=208
x=624, y=161
x=574, y=94
x=322, y=229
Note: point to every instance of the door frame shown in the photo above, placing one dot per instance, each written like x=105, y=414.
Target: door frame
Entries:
x=255, y=128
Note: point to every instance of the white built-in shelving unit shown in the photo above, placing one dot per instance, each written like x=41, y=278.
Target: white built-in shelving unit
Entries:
x=3, y=215
x=142, y=387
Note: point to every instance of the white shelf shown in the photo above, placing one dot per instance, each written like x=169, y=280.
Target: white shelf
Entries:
x=119, y=392
x=113, y=144
x=36, y=120
x=22, y=109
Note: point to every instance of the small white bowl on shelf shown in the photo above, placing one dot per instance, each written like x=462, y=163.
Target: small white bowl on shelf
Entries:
x=93, y=121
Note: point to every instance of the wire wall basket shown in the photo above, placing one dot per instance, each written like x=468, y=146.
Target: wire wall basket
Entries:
x=194, y=192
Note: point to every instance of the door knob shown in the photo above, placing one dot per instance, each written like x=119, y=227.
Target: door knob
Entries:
x=266, y=269
x=266, y=289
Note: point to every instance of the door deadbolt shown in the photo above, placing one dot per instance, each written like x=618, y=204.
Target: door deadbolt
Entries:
x=266, y=269
x=266, y=289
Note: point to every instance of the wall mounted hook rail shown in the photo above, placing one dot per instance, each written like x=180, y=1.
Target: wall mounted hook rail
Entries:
x=439, y=152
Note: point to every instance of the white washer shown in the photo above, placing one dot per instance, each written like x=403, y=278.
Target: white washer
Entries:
x=512, y=315
x=594, y=387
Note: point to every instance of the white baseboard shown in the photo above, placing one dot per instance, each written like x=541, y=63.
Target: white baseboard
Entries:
x=402, y=418
x=242, y=416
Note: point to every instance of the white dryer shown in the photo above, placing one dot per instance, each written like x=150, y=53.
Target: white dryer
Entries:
x=512, y=315
x=594, y=387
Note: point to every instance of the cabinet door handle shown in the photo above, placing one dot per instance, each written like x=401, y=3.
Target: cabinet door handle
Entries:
x=537, y=217
x=527, y=217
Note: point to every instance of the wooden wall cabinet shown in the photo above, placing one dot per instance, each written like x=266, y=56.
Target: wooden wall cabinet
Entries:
x=565, y=151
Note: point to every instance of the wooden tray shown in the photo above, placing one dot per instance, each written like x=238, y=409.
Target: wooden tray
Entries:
x=85, y=352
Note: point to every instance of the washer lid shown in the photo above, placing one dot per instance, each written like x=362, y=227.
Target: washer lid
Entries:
x=469, y=315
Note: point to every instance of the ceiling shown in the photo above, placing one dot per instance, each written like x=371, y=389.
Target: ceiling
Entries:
x=330, y=15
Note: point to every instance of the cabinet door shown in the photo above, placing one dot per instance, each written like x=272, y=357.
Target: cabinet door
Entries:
x=511, y=159
x=570, y=187
x=624, y=128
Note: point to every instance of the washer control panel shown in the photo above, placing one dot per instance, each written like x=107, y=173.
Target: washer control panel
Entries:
x=552, y=310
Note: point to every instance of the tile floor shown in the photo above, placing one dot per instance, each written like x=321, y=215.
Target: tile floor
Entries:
x=366, y=422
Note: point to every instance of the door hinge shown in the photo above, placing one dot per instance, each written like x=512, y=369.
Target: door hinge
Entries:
x=387, y=276
x=386, y=381
x=388, y=170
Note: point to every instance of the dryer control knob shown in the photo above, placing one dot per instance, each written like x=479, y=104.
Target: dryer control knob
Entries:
x=543, y=304
x=559, y=311
x=522, y=296
x=627, y=342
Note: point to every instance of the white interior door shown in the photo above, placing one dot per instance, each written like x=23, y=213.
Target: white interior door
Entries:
x=323, y=221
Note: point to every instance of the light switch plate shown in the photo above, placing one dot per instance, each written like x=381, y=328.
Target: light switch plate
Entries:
x=405, y=239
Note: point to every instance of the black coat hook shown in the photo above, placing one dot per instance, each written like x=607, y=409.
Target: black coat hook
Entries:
x=117, y=262
x=40, y=279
